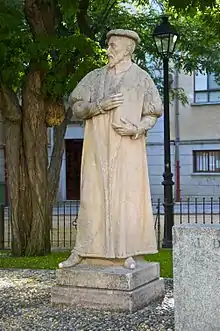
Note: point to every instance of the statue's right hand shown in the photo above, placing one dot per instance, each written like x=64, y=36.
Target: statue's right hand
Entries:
x=111, y=102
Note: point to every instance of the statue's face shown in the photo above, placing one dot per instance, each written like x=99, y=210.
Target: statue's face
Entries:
x=117, y=50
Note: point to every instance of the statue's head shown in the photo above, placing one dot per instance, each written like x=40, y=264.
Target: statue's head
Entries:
x=121, y=45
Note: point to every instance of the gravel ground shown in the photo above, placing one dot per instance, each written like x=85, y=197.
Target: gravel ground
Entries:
x=25, y=305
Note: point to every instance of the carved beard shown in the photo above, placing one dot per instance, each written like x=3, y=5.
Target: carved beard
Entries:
x=115, y=59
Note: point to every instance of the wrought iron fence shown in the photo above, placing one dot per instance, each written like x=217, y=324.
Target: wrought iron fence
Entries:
x=64, y=220
x=194, y=210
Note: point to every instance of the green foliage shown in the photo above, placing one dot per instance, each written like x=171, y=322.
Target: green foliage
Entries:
x=63, y=58
x=67, y=56
x=69, y=9
x=14, y=38
x=70, y=59
x=51, y=261
x=192, y=4
x=198, y=46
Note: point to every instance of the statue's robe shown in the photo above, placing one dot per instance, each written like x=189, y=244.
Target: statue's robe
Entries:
x=115, y=218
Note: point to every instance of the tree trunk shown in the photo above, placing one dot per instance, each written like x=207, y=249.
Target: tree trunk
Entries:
x=33, y=176
x=27, y=162
x=32, y=185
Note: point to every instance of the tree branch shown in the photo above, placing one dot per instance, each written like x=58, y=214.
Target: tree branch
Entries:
x=106, y=11
x=34, y=18
x=9, y=105
x=42, y=16
x=82, y=19
x=56, y=157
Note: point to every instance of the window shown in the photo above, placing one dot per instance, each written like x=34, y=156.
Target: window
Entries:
x=206, y=89
x=206, y=161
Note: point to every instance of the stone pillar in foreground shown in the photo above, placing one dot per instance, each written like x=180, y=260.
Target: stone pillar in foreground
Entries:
x=196, y=267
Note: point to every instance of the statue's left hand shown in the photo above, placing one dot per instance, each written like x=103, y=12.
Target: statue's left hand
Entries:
x=126, y=129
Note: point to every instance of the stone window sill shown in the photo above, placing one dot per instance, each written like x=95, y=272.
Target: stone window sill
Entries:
x=193, y=104
x=205, y=174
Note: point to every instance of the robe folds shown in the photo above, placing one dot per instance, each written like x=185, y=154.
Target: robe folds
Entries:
x=115, y=218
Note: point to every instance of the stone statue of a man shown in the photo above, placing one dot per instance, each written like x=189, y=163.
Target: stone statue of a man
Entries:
x=119, y=104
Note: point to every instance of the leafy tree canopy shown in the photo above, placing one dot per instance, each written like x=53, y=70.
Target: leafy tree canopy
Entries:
x=76, y=45
x=199, y=43
x=193, y=4
x=62, y=54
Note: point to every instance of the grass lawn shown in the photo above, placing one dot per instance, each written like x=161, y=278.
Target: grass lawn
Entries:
x=51, y=261
x=166, y=262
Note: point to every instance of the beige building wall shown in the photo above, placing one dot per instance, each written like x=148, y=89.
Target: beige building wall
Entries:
x=196, y=122
x=199, y=130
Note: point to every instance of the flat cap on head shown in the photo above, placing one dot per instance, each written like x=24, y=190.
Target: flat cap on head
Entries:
x=124, y=33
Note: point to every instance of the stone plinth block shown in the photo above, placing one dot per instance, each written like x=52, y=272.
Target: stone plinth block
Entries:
x=196, y=255
x=108, y=288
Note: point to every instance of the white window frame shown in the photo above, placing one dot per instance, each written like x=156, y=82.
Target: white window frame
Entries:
x=206, y=161
x=208, y=90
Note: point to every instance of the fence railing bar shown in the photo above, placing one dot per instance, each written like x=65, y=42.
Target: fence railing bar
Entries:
x=196, y=210
x=70, y=225
x=188, y=209
x=64, y=225
x=58, y=225
x=219, y=210
x=203, y=210
x=9, y=227
x=181, y=211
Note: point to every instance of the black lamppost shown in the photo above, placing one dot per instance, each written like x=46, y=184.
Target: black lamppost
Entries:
x=165, y=38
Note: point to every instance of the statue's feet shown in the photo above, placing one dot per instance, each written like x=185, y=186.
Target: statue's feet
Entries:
x=130, y=263
x=72, y=260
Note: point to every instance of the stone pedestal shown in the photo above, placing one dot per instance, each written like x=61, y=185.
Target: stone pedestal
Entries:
x=196, y=254
x=108, y=288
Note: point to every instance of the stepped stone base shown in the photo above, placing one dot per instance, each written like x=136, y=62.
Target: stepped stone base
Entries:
x=108, y=288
